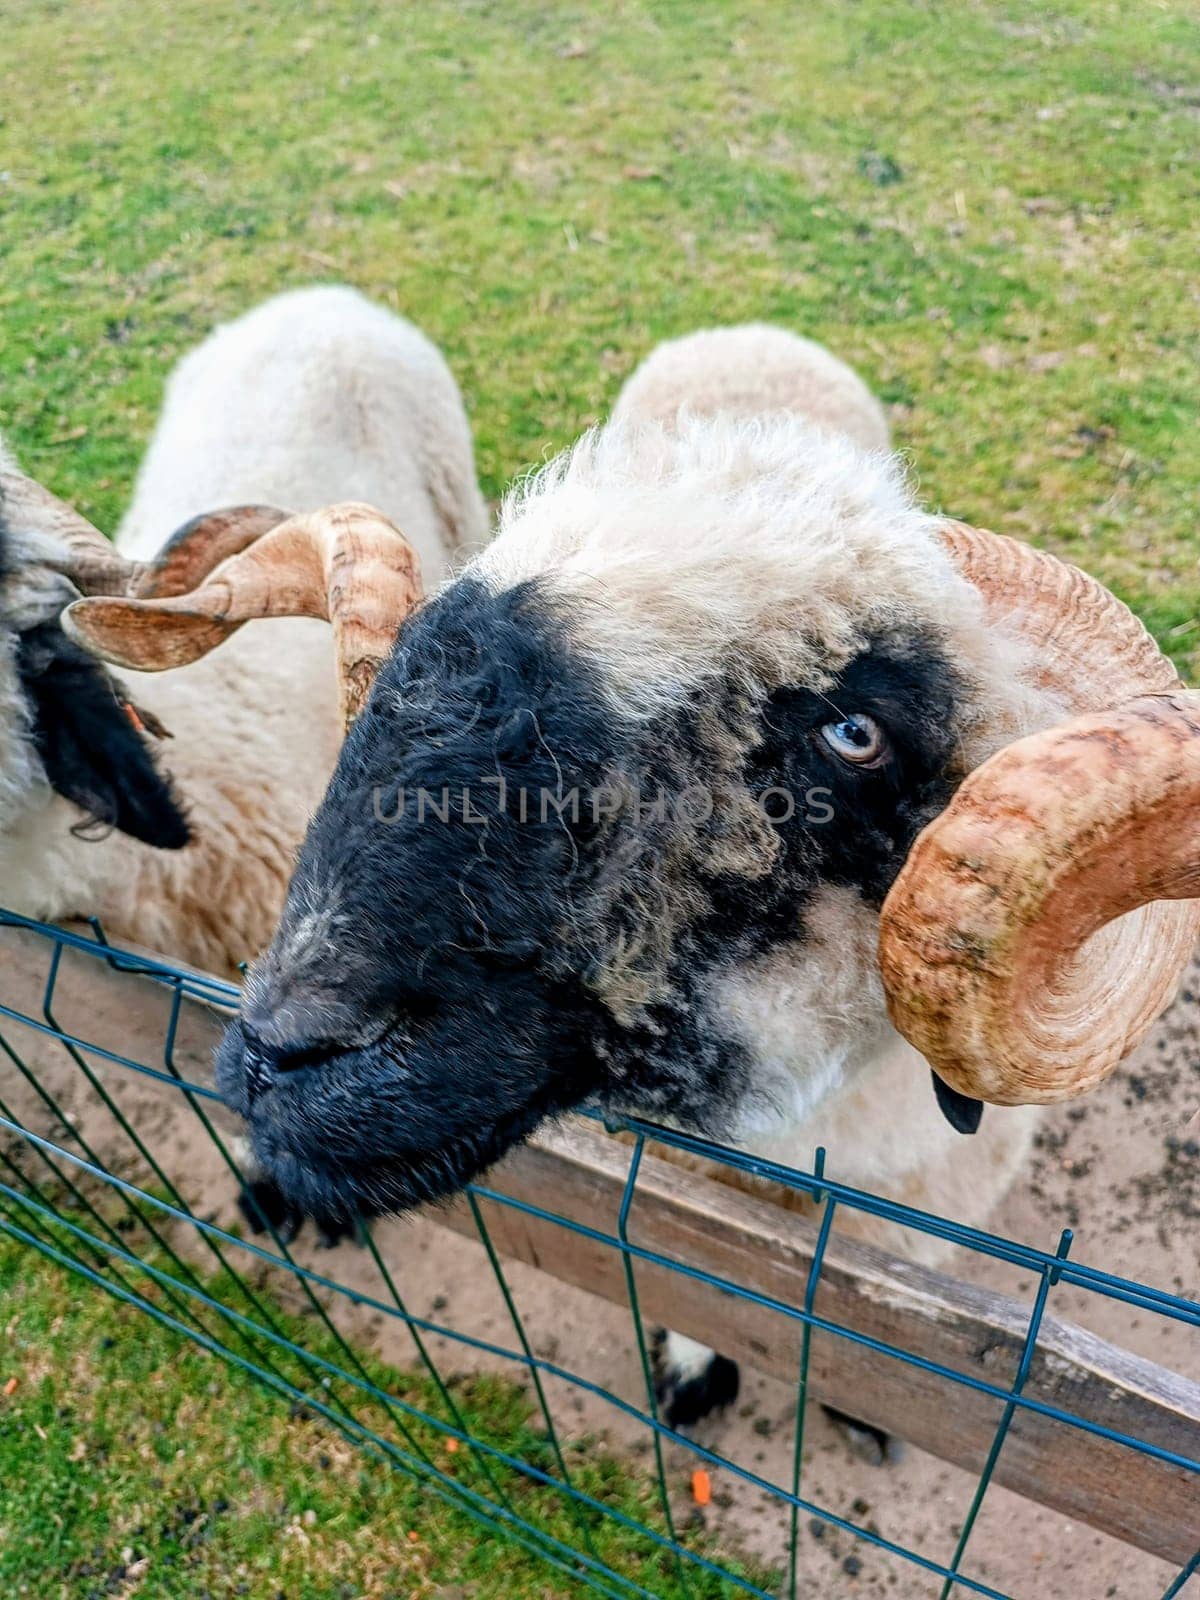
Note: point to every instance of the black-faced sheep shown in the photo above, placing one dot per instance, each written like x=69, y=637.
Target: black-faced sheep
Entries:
x=315, y=396
x=630, y=798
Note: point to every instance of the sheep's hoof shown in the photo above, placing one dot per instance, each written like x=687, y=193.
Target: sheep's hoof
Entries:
x=267, y=1210
x=686, y=1395
x=332, y=1230
x=867, y=1443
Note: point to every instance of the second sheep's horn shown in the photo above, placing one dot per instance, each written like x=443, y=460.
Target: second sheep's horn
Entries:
x=196, y=548
x=87, y=558
x=346, y=564
x=1043, y=920
x=77, y=549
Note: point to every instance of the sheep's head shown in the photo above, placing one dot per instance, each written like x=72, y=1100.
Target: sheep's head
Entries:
x=64, y=719
x=65, y=722
x=624, y=808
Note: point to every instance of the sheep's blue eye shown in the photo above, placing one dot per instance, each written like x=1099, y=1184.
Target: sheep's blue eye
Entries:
x=857, y=738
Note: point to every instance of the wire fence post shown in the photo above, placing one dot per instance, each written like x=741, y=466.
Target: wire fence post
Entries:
x=531, y=1365
x=828, y=1205
x=664, y=1493
x=1050, y=1276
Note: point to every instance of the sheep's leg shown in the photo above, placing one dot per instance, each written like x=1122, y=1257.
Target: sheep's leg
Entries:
x=690, y=1380
x=867, y=1442
x=266, y=1210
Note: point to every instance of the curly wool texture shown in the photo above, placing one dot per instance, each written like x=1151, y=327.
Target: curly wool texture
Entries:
x=768, y=551
x=702, y=568
x=765, y=549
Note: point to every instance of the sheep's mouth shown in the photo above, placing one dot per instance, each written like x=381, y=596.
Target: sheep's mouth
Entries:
x=343, y=1139
x=387, y=1185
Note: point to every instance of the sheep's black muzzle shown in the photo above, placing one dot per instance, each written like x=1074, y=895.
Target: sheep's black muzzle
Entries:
x=423, y=1004
x=378, y=1130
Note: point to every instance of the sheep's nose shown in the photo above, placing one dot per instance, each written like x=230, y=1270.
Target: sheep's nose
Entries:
x=264, y=1062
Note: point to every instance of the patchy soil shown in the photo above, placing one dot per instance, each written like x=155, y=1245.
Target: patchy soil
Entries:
x=1122, y=1169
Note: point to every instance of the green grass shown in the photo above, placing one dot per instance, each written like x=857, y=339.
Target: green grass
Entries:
x=989, y=208
x=133, y=1461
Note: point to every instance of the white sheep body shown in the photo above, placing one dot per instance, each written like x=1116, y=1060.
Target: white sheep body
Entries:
x=314, y=397
x=752, y=370
x=313, y=391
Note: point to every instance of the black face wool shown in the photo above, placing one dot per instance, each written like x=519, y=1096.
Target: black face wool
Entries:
x=441, y=980
x=90, y=751
x=455, y=932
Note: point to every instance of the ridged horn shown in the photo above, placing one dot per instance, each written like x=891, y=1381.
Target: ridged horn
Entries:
x=346, y=564
x=88, y=559
x=1042, y=922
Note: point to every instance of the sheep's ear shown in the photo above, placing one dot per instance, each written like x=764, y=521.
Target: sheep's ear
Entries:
x=962, y=1112
x=90, y=748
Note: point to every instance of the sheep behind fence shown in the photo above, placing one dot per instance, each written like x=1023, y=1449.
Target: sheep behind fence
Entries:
x=115, y=1147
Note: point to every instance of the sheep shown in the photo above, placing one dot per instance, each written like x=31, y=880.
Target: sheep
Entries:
x=626, y=818
x=317, y=395
x=752, y=370
x=314, y=396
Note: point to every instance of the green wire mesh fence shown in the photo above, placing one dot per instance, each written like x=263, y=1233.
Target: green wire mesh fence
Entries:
x=106, y=1186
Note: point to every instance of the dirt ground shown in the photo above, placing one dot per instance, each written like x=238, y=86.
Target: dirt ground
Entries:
x=1122, y=1169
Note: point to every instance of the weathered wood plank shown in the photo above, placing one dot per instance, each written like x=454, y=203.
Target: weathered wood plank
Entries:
x=575, y=1171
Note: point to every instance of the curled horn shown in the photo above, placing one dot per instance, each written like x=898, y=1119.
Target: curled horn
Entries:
x=346, y=564
x=87, y=558
x=194, y=549
x=1042, y=922
x=95, y=568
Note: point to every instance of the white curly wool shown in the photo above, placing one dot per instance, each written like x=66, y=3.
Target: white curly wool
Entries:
x=314, y=397
x=684, y=551
x=767, y=542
